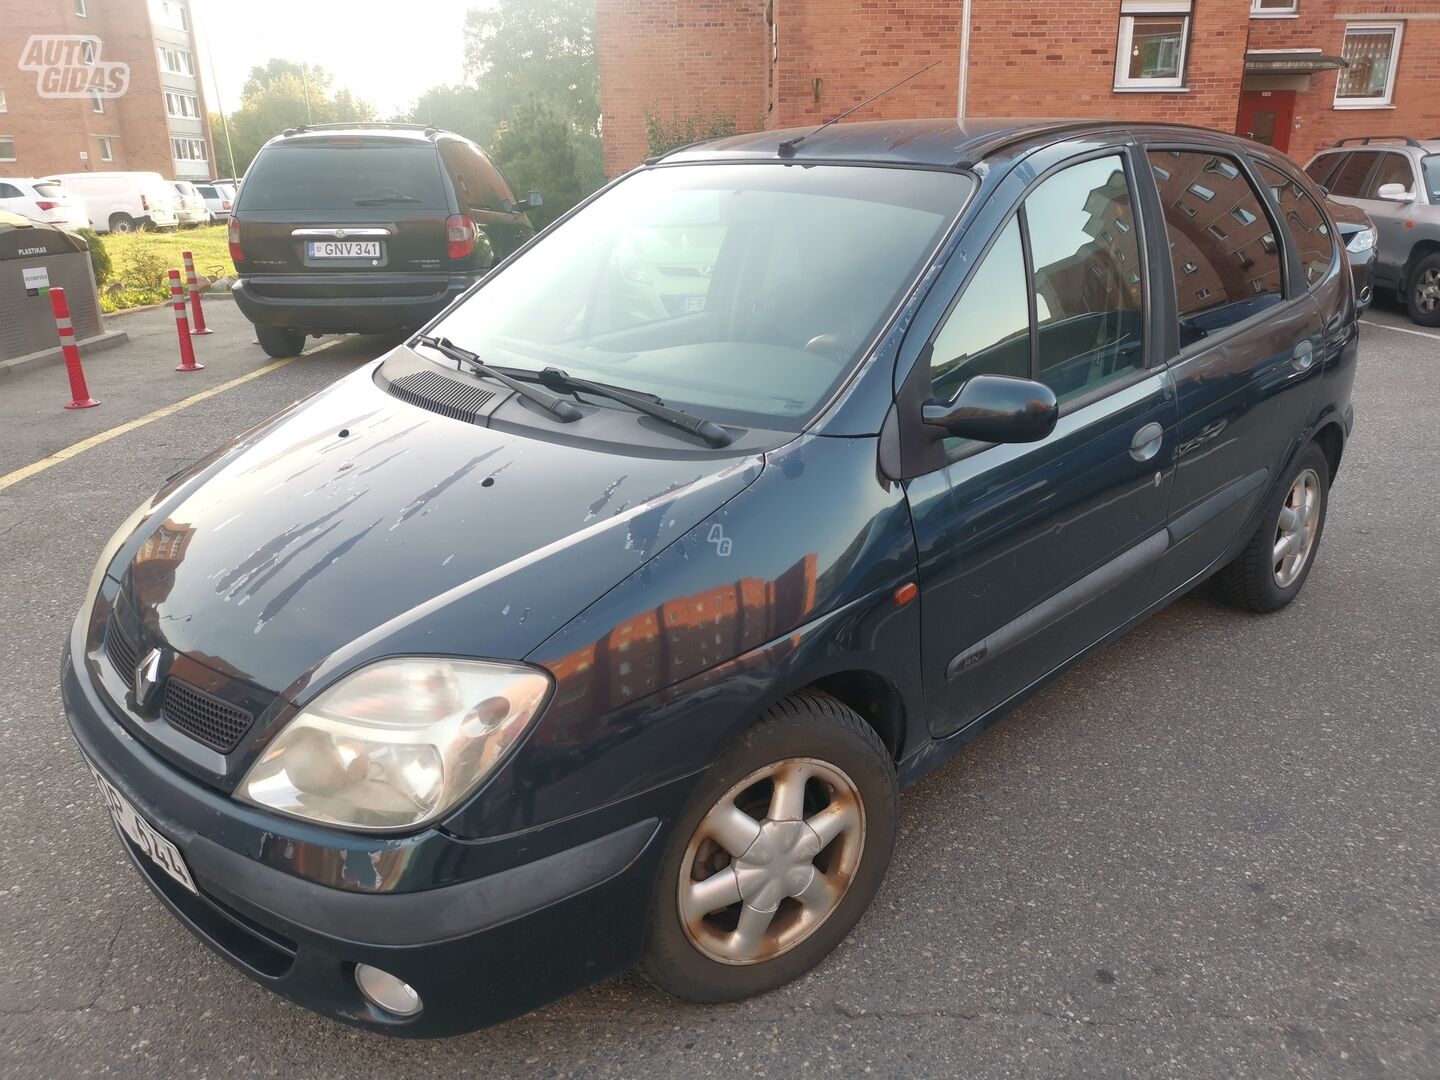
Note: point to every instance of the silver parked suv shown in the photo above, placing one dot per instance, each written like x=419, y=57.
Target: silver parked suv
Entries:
x=1398, y=185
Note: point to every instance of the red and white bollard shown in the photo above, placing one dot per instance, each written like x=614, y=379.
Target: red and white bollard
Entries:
x=79, y=393
x=182, y=326
x=196, y=310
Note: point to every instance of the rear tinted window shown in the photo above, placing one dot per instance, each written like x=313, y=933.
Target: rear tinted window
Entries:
x=1226, y=260
x=49, y=191
x=1350, y=177
x=1321, y=168
x=325, y=176
x=1303, y=220
x=206, y=191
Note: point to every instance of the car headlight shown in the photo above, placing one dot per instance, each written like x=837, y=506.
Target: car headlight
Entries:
x=396, y=744
x=1363, y=240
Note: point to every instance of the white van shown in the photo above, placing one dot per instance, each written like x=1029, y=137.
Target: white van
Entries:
x=124, y=201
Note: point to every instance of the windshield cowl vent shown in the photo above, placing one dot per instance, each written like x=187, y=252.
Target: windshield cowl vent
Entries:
x=458, y=396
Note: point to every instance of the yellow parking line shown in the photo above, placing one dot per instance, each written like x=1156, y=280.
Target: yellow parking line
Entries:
x=36, y=467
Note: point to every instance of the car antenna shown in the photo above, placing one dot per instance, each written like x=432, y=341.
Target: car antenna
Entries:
x=787, y=148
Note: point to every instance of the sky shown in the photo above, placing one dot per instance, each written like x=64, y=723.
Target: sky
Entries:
x=386, y=51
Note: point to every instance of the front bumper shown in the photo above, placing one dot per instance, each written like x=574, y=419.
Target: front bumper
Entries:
x=478, y=952
x=339, y=303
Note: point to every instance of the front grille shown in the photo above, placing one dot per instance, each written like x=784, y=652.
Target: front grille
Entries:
x=121, y=653
x=206, y=719
x=433, y=391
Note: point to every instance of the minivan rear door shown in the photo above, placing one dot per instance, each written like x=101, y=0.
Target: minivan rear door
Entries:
x=344, y=203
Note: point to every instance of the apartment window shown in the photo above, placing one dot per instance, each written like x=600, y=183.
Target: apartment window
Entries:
x=1373, y=50
x=189, y=149
x=181, y=105
x=176, y=61
x=173, y=13
x=7, y=148
x=1150, y=54
x=87, y=51
x=80, y=9
x=1272, y=9
x=107, y=150
x=97, y=103
x=3, y=106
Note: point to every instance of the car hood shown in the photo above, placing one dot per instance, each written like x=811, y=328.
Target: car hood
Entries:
x=357, y=526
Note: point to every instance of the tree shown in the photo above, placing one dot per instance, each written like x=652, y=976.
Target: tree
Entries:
x=461, y=109
x=536, y=149
x=520, y=51
x=275, y=99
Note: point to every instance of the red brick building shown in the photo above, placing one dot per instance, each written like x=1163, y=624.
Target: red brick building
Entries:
x=1294, y=73
x=160, y=122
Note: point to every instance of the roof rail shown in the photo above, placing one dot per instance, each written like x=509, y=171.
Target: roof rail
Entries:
x=301, y=128
x=1365, y=140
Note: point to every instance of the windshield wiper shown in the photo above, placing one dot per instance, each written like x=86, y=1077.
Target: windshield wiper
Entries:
x=381, y=200
x=556, y=407
x=648, y=404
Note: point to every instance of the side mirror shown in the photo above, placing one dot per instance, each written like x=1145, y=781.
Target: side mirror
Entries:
x=534, y=200
x=1394, y=193
x=997, y=409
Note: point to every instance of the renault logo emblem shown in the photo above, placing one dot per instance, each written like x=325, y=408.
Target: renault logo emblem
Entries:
x=147, y=678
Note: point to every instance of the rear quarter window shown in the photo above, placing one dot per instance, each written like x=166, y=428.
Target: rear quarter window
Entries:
x=321, y=175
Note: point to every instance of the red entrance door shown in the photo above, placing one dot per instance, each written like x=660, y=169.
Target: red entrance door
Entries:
x=1267, y=116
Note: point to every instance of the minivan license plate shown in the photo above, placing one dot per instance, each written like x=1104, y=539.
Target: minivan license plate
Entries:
x=344, y=249
x=143, y=835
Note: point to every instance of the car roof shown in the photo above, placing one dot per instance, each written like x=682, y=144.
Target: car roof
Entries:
x=411, y=133
x=928, y=142
x=1385, y=142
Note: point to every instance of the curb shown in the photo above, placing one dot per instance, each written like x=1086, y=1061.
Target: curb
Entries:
x=110, y=339
x=205, y=293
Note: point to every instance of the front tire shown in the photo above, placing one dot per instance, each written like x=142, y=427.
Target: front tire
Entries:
x=1273, y=567
x=777, y=855
x=279, y=341
x=1422, y=292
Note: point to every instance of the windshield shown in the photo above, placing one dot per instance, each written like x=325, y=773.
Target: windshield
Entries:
x=1430, y=170
x=334, y=174
x=746, y=292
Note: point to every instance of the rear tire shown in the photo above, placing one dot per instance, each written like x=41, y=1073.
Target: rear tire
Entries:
x=279, y=341
x=797, y=820
x=1273, y=567
x=1422, y=291
x=122, y=223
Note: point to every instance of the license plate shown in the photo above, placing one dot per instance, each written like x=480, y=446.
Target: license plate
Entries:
x=143, y=835
x=344, y=249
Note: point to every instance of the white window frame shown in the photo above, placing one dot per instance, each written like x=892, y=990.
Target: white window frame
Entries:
x=1125, y=42
x=184, y=62
x=3, y=106
x=1291, y=12
x=1388, y=101
x=107, y=147
x=80, y=9
x=97, y=103
x=14, y=153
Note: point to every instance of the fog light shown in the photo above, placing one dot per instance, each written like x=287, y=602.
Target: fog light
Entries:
x=386, y=992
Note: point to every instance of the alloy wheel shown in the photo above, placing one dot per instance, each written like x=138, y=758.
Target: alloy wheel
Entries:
x=771, y=861
x=1427, y=290
x=1295, y=531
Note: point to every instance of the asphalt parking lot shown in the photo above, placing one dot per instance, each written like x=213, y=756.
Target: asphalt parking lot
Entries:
x=1211, y=850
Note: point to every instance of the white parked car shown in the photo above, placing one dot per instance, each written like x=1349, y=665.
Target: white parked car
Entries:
x=218, y=198
x=190, y=204
x=124, y=201
x=42, y=201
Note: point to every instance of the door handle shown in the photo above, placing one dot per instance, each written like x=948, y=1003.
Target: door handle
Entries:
x=1304, y=356
x=1146, y=443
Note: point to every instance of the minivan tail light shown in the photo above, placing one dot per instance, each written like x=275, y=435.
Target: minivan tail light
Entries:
x=224, y=204
x=237, y=253
x=144, y=204
x=459, y=236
